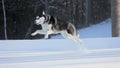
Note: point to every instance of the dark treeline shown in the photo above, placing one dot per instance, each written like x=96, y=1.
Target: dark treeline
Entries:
x=21, y=14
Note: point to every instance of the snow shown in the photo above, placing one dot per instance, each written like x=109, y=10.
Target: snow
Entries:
x=103, y=51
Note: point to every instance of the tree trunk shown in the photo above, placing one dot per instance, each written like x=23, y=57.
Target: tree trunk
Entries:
x=88, y=6
x=4, y=13
x=115, y=16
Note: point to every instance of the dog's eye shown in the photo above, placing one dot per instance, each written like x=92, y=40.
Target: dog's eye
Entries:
x=37, y=17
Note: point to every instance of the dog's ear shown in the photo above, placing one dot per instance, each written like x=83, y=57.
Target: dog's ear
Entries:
x=43, y=13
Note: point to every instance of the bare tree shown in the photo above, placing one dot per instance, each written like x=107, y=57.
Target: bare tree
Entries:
x=4, y=13
x=87, y=12
x=115, y=15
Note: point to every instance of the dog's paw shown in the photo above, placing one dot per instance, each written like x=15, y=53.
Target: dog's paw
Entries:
x=33, y=34
x=46, y=37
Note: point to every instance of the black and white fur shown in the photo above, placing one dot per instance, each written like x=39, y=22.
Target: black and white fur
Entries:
x=51, y=25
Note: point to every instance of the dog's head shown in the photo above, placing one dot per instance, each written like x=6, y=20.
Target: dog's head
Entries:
x=40, y=20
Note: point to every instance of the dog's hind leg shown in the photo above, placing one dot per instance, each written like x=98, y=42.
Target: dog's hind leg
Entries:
x=71, y=35
x=76, y=40
x=66, y=35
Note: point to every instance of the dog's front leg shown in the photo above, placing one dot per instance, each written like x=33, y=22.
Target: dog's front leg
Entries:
x=35, y=33
x=38, y=32
x=48, y=33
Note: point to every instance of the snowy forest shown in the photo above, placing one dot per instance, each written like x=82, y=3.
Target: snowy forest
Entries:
x=17, y=16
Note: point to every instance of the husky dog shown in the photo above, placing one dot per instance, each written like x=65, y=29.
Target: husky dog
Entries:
x=52, y=25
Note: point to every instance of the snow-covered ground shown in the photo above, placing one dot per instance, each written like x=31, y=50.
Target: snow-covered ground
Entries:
x=103, y=51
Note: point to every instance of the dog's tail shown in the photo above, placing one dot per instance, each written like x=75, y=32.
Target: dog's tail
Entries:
x=72, y=30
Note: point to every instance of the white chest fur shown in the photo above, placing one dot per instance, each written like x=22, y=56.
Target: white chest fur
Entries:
x=46, y=26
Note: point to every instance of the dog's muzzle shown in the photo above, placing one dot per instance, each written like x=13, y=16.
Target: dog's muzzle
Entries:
x=36, y=22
